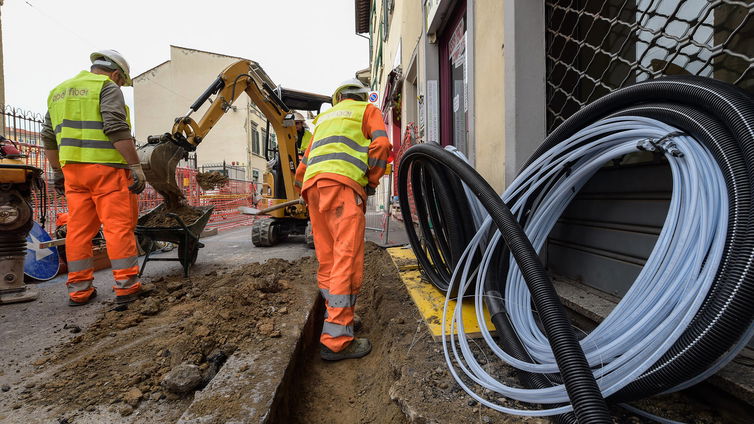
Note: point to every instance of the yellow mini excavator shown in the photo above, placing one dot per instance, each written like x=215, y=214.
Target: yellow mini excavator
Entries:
x=160, y=156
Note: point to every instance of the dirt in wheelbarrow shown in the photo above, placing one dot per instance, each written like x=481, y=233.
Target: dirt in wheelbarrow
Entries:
x=211, y=180
x=116, y=367
x=188, y=214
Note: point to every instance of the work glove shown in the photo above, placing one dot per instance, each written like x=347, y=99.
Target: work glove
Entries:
x=139, y=178
x=371, y=190
x=58, y=181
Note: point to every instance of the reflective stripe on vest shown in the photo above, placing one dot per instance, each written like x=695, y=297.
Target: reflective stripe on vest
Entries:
x=339, y=145
x=75, y=115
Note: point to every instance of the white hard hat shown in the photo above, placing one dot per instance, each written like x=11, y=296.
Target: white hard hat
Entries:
x=113, y=60
x=351, y=86
x=298, y=117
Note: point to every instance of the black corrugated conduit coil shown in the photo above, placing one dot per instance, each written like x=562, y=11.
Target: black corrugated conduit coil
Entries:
x=728, y=156
x=439, y=197
x=721, y=116
x=582, y=389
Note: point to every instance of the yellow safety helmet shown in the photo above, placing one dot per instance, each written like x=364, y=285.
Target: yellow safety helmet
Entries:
x=351, y=86
x=113, y=60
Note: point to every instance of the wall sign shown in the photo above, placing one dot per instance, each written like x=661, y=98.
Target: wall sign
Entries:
x=457, y=43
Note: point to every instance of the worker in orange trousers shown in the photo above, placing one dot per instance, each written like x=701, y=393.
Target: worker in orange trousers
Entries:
x=343, y=164
x=88, y=143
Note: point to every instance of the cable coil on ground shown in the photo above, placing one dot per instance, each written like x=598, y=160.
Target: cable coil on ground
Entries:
x=689, y=311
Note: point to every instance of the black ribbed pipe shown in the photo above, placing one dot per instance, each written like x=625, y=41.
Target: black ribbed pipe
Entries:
x=582, y=389
x=441, y=201
x=507, y=339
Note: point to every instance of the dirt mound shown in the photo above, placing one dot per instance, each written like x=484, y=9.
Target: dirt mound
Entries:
x=211, y=180
x=188, y=214
x=123, y=358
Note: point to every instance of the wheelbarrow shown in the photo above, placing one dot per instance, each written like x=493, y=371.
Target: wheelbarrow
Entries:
x=185, y=236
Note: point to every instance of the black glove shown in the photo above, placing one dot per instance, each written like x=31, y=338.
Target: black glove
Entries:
x=58, y=181
x=371, y=190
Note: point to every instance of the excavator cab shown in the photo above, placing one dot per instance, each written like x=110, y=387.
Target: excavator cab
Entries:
x=299, y=100
x=160, y=156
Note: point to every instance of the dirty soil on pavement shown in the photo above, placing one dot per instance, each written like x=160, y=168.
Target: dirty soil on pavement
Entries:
x=211, y=180
x=118, y=366
x=188, y=214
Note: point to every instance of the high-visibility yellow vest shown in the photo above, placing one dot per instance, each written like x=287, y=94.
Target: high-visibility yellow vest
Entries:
x=75, y=115
x=305, y=139
x=339, y=145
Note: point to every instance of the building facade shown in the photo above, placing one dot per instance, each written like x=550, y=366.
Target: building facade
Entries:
x=427, y=60
x=494, y=77
x=166, y=91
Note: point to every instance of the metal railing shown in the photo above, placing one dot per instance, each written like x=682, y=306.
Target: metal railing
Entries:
x=597, y=46
x=237, y=172
x=20, y=125
x=378, y=213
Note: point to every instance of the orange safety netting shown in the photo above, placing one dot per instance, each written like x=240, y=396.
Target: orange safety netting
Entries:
x=226, y=199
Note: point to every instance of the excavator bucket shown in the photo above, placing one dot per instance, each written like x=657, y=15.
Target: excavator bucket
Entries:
x=159, y=160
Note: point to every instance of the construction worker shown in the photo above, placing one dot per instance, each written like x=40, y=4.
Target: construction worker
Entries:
x=340, y=168
x=304, y=136
x=88, y=143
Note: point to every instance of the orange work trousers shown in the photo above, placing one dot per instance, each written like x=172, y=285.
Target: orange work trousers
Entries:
x=98, y=195
x=337, y=216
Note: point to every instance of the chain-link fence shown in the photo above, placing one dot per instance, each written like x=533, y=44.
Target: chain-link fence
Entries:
x=596, y=46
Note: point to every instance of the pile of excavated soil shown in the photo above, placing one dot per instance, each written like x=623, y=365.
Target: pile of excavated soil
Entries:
x=120, y=361
x=188, y=214
x=405, y=378
x=211, y=180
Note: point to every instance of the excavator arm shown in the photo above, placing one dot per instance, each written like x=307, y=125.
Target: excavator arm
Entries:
x=160, y=156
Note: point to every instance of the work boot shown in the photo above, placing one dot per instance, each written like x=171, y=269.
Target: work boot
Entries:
x=130, y=297
x=72, y=302
x=358, y=348
x=126, y=298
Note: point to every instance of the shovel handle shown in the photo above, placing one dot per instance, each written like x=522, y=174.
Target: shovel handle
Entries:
x=280, y=206
x=252, y=211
